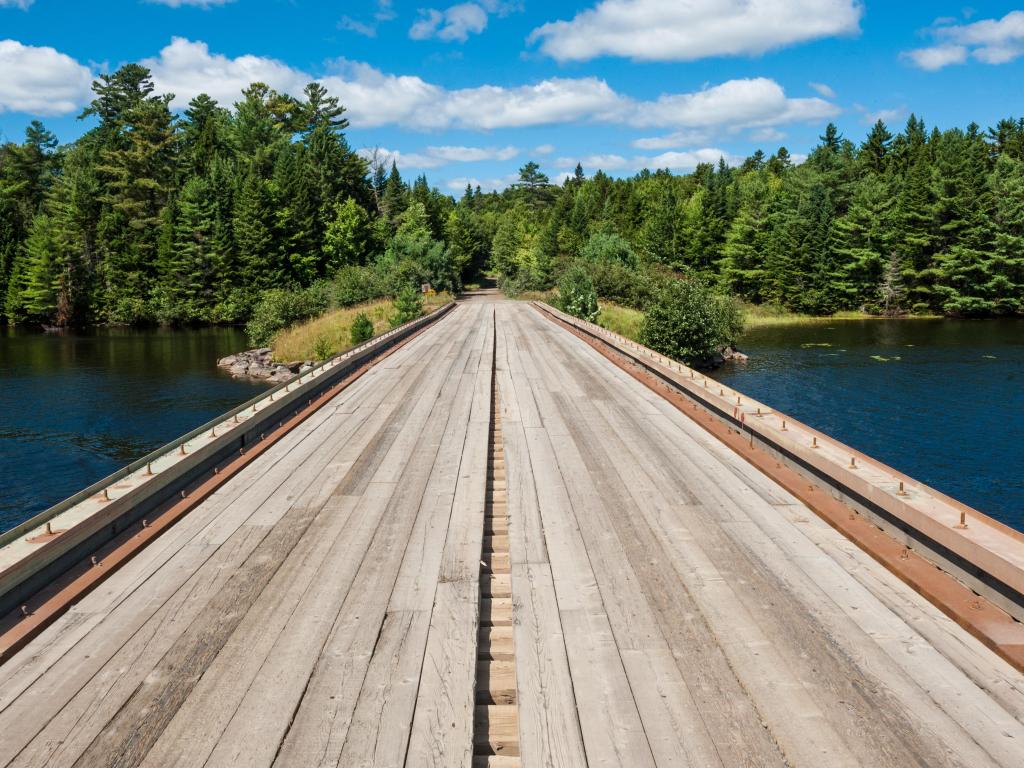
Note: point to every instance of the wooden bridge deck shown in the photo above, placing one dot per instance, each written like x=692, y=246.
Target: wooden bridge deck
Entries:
x=670, y=604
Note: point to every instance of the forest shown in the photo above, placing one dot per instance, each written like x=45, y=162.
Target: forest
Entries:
x=205, y=216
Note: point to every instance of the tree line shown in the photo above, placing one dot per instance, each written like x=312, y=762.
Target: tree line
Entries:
x=915, y=222
x=198, y=217
x=156, y=217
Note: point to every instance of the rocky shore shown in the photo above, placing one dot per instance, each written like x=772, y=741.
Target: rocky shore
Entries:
x=257, y=364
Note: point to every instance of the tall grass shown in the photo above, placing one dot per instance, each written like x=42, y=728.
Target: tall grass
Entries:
x=762, y=315
x=621, y=320
x=331, y=332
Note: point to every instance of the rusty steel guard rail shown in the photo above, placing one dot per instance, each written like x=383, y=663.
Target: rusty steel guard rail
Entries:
x=981, y=552
x=97, y=514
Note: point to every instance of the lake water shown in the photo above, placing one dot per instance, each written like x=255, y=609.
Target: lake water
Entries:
x=74, y=408
x=941, y=400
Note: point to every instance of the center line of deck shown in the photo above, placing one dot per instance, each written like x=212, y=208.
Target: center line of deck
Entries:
x=496, y=720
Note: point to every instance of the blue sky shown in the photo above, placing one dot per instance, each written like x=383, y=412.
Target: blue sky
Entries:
x=468, y=91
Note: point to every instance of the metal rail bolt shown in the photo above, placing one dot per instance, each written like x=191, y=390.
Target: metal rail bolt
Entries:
x=784, y=426
x=853, y=462
x=106, y=495
x=181, y=450
x=901, y=492
x=814, y=442
x=25, y=612
x=962, y=525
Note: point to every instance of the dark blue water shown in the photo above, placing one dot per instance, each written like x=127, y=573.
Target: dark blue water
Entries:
x=74, y=408
x=945, y=403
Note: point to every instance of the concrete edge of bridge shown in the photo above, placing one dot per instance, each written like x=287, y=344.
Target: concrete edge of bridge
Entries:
x=970, y=566
x=67, y=551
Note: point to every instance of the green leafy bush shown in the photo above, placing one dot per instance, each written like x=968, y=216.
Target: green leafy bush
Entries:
x=357, y=285
x=322, y=348
x=689, y=321
x=362, y=329
x=576, y=293
x=609, y=248
x=408, y=306
x=278, y=308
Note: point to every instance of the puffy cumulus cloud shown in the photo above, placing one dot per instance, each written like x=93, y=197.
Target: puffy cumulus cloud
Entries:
x=936, y=56
x=41, y=80
x=748, y=103
x=375, y=98
x=684, y=30
x=435, y=157
x=544, y=149
x=186, y=68
x=194, y=3
x=455, y=23
x=991, y=41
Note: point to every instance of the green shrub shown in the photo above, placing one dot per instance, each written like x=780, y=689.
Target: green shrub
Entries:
x=362, y=329
x=689, y=321
x=322, y=348
x=576, y=293
x=609, y=248
x=408, y=306
x=356, y=285
x=278, y=308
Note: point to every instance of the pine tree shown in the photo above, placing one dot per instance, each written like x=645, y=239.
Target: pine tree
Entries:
x=863, y=242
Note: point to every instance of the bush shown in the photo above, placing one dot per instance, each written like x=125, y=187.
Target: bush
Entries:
x=408, y=306
x=278, y=308
x=322, y=348
x=688, y=321
x=609, y=249
x=357, y=285
x=362, y=329
x=576, y=293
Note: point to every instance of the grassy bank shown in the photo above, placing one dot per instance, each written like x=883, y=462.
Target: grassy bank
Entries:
x=330, y=333
x=764, y=315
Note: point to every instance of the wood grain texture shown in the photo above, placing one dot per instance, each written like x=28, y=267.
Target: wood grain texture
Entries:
x=670, y=605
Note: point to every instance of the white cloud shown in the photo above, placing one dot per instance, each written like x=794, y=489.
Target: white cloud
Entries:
x=23, y=4
x=684, y=30
x=41, y=81
x=375, y=98
x=435, y=157
x=196, y=3
x=672, y=140
x=936, y=56
x=186, y=69
x=455, y=23
x=823, y=90
x=991, y=41
x=747, y=103
x=544, y=149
